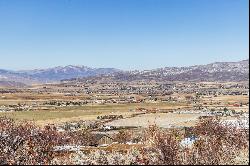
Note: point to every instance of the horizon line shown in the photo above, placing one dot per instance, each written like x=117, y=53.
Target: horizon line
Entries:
x=79, y=65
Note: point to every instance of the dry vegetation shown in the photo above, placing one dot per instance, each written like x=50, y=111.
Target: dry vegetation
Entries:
x=25, y=143
x=87, y=112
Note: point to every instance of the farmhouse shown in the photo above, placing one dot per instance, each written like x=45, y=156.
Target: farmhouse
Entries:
x=102, y=139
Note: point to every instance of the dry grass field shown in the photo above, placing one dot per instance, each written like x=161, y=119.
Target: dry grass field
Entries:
x=37, y=96
x=86, y=112
x=164, y=120
x=228, y=99
x=91, y=111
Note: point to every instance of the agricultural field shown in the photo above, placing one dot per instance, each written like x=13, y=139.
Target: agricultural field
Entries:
x=83, y=112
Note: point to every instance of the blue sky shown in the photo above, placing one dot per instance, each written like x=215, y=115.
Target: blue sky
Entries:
x=125, y=34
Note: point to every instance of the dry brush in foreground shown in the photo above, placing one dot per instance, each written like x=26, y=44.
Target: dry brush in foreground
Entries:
x=25, y=143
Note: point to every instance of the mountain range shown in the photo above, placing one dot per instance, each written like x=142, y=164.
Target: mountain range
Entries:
x=218, y=71
x=53, y=74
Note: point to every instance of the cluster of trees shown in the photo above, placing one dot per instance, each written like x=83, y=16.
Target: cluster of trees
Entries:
x=66, y=103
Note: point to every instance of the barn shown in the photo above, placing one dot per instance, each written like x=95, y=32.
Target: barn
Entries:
x=102, y=139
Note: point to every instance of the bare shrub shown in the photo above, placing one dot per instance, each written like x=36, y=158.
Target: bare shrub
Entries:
x=163, y=148
x=217, y=144
x=123, y=136
x=25, y=143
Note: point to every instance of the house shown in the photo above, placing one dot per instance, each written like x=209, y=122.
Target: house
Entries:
x=102, y=139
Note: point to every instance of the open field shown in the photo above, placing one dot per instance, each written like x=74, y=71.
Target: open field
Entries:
x=165, y=120
x=87, y=112
x=37, y=96
x=227, y=99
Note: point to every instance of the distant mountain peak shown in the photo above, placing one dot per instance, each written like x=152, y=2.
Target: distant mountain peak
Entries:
x=218, y=71
x=66, y=72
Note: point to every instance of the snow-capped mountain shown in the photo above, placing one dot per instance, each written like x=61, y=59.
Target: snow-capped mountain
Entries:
x=52, y=74
x=66, y=72
x=7, y=75
x=218, y=71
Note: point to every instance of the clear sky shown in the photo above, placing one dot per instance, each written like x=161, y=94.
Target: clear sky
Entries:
x=125, y=34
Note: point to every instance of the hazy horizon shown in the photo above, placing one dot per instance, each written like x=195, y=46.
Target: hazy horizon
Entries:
x=124, y=34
